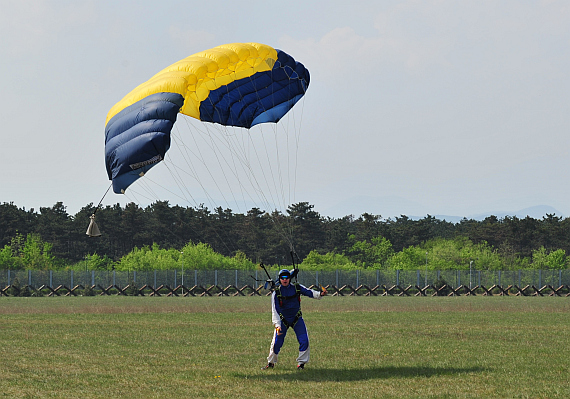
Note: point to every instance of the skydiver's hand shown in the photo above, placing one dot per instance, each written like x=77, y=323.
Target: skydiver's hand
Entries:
x=279, y=331
x=324, y=291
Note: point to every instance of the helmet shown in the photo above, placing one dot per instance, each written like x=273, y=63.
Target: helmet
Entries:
x=284, y=273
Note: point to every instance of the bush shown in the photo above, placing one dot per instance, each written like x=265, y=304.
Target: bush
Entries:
x=15, y=287
x=439, y=283
x=132, y=290
x=330, y=261
x=26, y=292
x=88, y=291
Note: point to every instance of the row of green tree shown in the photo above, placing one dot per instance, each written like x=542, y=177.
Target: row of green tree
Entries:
x=260, y=236
x=458, y=253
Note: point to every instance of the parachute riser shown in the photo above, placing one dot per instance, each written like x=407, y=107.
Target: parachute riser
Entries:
x=295, y=271
x=269, y=280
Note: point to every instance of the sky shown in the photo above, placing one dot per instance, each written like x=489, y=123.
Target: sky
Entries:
x=414, y=107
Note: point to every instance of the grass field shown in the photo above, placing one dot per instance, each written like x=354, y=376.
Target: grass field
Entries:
x=361, y=347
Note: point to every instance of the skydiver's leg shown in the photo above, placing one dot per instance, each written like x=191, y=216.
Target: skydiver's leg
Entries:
x=303, y=338
x=276, y=345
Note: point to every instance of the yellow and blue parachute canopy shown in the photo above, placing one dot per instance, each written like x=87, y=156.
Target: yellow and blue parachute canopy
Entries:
x=238, y=84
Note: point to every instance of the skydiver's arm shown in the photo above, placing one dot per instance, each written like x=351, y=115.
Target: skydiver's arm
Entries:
x=275, y=319
x=310, y=293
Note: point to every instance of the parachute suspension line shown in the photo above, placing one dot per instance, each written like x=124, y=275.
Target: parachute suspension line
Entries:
x=289, y=223
x=266, y=181
x=148, y=188
x=297, y=137
x=284, y=200
x=184, y=151
x=183, y=189
x=144, y=184
x=158, y=220
x=226, y=240
x=201, y=158
x=178, y=178
x=248, y=169
x=261, y=193
x=232, y=168
x=242, y=156
x=243, y=160
x=274, y=200
x=279, y=191
x=134, y=194
x=189, y=162
x=297, y=140
x=225, y=134
x=257, y=186
x=102, y=198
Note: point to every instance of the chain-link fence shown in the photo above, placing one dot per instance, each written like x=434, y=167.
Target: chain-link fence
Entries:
x=240, y=278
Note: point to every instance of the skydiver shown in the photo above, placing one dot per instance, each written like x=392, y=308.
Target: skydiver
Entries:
x=286, y=313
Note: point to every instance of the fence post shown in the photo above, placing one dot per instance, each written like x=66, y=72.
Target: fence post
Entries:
x=9, y=277
x=377, y=277
x=92, y=278
x=539, y=278
x=398, y=277
x=134, y=276
x=51, y=278
x=236, y=278
x=317, y=278
x=357, y=277
x=500, y=279
x=154, y=280
x=418, y=273
x=71, y=278
x=336, y=278
x=560, y=277
x=30, y=278
x=196, y=277
x=459, y=278
x=216, y=278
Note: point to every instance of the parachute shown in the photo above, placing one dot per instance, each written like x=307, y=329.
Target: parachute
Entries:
x=239, y=84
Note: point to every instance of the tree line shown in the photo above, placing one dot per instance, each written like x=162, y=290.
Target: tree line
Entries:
x=51, y=235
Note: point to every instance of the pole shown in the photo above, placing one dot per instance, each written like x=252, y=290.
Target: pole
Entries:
x=426, y=269
x=470, y=272
x=182, y=276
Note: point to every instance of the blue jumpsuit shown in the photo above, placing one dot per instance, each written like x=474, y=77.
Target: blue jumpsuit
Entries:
x=284, y=314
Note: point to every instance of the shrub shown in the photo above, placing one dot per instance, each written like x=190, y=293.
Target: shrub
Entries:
x=15, y=287
x=26, y=292
x=439, y=283
x=88, y=291
x=132, y=289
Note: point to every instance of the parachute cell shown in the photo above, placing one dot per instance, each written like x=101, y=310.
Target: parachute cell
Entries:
x=240, y=84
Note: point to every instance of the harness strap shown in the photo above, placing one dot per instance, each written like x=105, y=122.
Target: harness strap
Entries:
x=284, y=297
x=295, y=320
x=287, y=297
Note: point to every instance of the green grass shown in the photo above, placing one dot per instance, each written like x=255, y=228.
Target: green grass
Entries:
x=361, y=347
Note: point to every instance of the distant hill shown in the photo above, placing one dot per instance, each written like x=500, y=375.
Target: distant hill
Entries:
x=391, y=206
x=535, y=212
